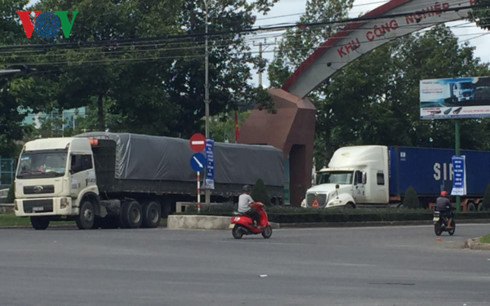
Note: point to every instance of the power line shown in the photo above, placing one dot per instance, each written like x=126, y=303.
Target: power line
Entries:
x=167, y=44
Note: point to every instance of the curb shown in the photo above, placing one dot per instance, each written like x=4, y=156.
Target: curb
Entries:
x=474, y=244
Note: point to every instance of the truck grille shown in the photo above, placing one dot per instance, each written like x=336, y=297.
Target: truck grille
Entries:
x=320, y=199
x=40, y=206
x=38, y=189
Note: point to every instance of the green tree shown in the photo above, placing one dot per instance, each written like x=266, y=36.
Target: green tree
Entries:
x=139, y=65
x=259, y=193
x=411, y=199
x=481, y=14
x=15, y=89
x=302, y=40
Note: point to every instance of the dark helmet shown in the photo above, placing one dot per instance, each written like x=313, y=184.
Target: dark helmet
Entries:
x=246, y=188
x=444, y=193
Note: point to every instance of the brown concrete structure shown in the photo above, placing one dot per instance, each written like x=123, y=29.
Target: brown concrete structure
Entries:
x=292, y=130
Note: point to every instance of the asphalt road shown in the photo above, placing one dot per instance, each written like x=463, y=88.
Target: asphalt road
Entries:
x=400, y=265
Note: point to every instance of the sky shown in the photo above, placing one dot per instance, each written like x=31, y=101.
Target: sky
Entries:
x=289, y=11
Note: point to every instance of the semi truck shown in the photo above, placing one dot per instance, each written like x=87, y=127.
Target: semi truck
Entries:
x=375, y=175
x=129, y=180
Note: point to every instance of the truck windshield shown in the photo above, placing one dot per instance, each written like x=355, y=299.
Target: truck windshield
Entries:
x=42, y=164
x=341, y=177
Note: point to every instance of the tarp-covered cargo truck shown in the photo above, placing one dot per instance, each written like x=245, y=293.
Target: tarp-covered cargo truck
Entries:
x=129, y=180
x=380, y=175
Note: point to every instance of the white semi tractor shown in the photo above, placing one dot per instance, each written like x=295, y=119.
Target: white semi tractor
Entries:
x=379, y=175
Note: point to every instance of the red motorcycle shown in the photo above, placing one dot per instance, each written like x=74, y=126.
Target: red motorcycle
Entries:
x=244, y=225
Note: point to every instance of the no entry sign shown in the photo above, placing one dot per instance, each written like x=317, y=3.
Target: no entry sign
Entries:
x=197, y=142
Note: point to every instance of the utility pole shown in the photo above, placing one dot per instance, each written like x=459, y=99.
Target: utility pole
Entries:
x=207, y=192
x=260, y=57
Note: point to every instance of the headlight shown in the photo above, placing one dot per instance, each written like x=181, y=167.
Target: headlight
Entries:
x=64, y=203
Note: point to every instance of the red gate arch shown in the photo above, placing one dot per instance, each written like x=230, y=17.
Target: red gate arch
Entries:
x=389, y=21
x=292, y=127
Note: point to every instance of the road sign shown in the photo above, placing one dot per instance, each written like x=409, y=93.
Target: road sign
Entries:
x=197, y=142
x=198, y=161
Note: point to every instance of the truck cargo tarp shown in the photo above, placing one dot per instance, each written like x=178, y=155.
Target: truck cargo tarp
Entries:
x=144, y=157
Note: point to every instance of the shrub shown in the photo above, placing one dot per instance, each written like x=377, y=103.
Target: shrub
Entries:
x=411, y=199
x=259, y=193
x=486, y=198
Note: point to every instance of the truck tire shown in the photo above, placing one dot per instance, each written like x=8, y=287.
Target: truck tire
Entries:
x=86, y=217
x=40, y=223
x=151, y=214
x=131, y=215
x=471, y=206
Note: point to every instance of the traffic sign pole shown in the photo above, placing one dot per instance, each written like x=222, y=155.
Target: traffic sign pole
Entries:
x=198, y=193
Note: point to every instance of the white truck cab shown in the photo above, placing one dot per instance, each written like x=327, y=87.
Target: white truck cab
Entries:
x=53, y=176
x=355, y=175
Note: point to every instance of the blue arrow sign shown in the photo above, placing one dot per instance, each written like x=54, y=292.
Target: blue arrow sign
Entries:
x=198, y=161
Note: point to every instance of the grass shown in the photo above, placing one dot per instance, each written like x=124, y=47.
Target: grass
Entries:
x=9, y=219
x=485, y=239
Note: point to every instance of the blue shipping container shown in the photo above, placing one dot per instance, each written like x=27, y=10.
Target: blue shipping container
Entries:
x=429, y=170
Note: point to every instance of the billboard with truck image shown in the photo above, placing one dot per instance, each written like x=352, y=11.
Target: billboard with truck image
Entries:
x=467, y=97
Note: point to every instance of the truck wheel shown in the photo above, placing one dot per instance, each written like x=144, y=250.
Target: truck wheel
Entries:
x=40, y=223
x=151, y=214
x=471, y=206
x=86, y=218
x=131, y=216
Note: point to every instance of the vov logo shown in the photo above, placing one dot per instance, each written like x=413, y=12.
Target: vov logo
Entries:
x=47, y=25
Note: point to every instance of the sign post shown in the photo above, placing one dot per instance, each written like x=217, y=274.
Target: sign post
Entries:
x=197, y=143
x=197, y=164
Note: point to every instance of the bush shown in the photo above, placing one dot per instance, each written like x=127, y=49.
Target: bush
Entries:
x=411, y=199
x=259, y=193
x=486, y=198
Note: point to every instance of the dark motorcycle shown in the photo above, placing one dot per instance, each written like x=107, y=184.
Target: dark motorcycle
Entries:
x=440, y=224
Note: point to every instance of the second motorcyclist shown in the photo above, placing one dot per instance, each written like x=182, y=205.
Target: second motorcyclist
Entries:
x=443, y=205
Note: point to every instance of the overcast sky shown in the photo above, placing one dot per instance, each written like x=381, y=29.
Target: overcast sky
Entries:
x=289, y=11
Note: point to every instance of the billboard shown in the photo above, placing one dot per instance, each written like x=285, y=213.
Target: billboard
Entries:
x=467, y=97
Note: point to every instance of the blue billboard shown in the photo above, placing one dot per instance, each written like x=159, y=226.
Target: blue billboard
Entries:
x=467, y=97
